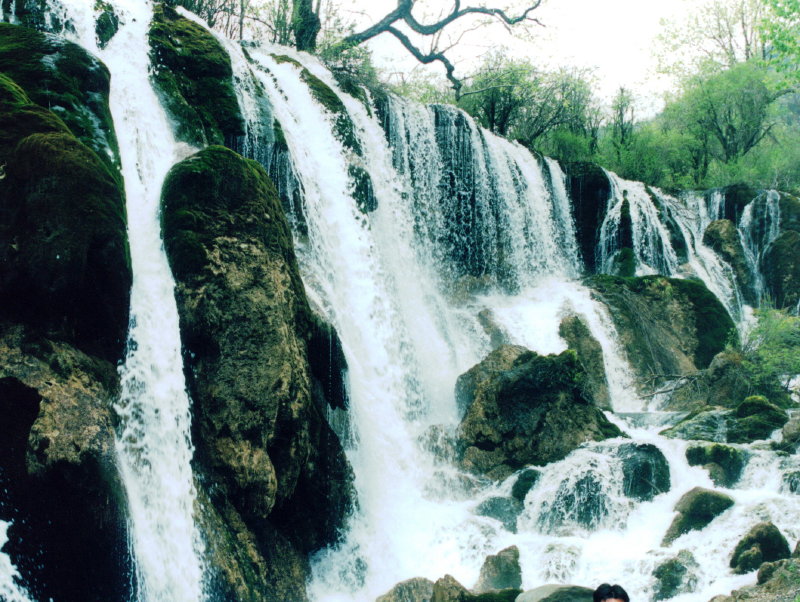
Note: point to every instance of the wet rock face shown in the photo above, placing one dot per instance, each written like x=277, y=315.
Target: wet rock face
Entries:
x=529, y=410
x=557, y=593
x=417, y=589
x=645, y=471
x=763, y=543
x=57, y=469
x=722, y=236
x=589, y=188
x=63, y=243
x=500, y=571
x=696, y=509
x=675, y=576
x=667, y=326
x=781, y=267
x=260, y=432
x=590, y=354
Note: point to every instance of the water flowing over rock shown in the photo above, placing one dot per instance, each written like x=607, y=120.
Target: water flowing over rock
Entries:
x=645, y=471
x=531, y=412
x=417, y=589
x=763, y=543
x=590, y=354
x=753, y=419
x=722, y=236
x=500, y=571
x=724, y=463
x=696, y=509
x=675, y=576
x=245, y=322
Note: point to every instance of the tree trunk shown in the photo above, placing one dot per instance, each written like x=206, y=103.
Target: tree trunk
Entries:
x=305, y=25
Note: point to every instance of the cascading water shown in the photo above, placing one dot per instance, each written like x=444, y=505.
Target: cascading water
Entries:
x=153, y=444
x=10, y=588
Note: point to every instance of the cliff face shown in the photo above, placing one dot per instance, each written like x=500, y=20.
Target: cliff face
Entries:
x=273, y=468
x=64, y=301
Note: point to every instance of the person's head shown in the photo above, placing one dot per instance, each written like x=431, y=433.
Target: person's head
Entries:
x=610, y=593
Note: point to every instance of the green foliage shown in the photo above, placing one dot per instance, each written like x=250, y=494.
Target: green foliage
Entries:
x=771, y=353
x=782, y=28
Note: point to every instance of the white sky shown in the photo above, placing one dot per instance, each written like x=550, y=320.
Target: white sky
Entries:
x=616, y=37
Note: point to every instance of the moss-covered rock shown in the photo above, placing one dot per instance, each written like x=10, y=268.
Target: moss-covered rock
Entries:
x=736, y=198
x=63, y=240
x=763, y=543
x=722, y=236
x=530, y=413
x=696, y=509
x=590, y=190
x=557, y=593
x=526, y=480
x=781, y=267
x=710, y=424
x=667, y=326
x=724, y=463
x=411, y=590
x=645, y=471
x=61, y=489
x=675, y=576
x=67, y=80
x=724, y=383
x=500, y=571
x=260, y=430
x=504, y=509
x=756, y=418
x=106, y=22
x=192, y=72
x=777, y=583
x=590, y=354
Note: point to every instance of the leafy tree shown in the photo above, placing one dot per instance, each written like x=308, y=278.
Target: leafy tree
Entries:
x=771, y=352
x=782, y=28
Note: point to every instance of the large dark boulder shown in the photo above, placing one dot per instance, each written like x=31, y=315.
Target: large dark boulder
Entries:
x=63, y=241
x=583, y=502
x=192, y=72
x=58, y=478
x=763, y=543
x=278, y=469
x=531, y=412
x=724, y=383
x=696, y=509
x=781, y=267
x=590, y=354
x=645, y=471
x=722, y=236
x=417, y=589
x=589, y=189
x=667, y=326
x=724, y=463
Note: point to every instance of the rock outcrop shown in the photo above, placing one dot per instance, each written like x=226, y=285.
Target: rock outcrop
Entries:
x=279, y=472
x=675, y=576
x=723, y=463
x=417, y=589
x=589, y=188
x=557, y=593
x=722, y=236
x=645, y=471
x=590, y=354
x=524, y=409
x=500, y=571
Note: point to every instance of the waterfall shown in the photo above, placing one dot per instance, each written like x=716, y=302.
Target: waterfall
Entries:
x=153, y=445
x=759, y=226
x=10, y=588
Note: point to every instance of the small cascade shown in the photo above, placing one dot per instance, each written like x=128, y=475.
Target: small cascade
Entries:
x=758, y=227
x=10, y=588
x=154, y=448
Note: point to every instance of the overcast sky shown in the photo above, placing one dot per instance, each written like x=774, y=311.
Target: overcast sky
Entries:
x=616, y=37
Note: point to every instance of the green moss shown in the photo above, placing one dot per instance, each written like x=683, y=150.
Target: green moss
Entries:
x=282, y=58
x=725, y=463
x=193, y=74
x=756, y=418
x=625, y=263
x=65, y=78
x=280, y=137
x=106, y=23
x=362, y=190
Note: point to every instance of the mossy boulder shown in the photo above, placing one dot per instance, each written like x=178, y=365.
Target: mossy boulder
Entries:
x=723, y=237
x=106, y=22
x=724, y=383
x=67, y=80
x=590, y=190
x=63, y=240
x=724, y=463
x=675, y=576
x=260, y=428
x=582, y=502
x=61, y=488
x=500, y=571
x=763, y=543
x=736, y=198
x=590, y=354
x=790, y=212
x=645, y=471
x=696, y=509
x=667, y=326
x=703, y=425
x=781, y=267
x=526, y=481
x=756, y=418
x=192, y=72
x=530, y=412
x=504, y=509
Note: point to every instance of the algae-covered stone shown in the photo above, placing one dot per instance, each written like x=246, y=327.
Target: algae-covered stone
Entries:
x=696, y=509
x=763, y=543
x=675, y=576
x=500, y=571
x=645, y=471
x=590, y=354
x=756, y=418
x=67, y=80
x=193, y=74
x=260, y=432
x=724, y=463
x=532, y=413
